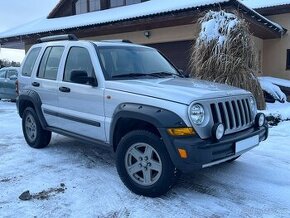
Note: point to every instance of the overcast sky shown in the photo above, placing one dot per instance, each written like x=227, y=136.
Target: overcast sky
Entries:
x=17, y=12
x=14, y=13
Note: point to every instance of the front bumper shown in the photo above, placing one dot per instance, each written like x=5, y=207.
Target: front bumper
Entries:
x=204, y=153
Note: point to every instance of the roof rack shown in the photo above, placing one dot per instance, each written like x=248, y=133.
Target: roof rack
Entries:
x=70, y=37
x=117, y=40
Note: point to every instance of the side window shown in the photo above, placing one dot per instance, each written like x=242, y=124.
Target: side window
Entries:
x=78, y=61
x=2, y=74
x=11, y=73
x=50, y=62
x=30, y=61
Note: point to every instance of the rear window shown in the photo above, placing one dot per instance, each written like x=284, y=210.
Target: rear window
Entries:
x=30, y=61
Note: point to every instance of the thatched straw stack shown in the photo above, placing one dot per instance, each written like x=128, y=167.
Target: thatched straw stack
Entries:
x=224, y=52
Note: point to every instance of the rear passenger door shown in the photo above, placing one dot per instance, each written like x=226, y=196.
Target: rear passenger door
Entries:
x=2, y=82
x=46, y=85
x=81, y=104
x=10, y=88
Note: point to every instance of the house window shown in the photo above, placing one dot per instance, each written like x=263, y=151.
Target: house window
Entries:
x=118, y=3
x=130, y=2
x=81, y=6
x=84, y=6
x=288, y=60
x=94, y=5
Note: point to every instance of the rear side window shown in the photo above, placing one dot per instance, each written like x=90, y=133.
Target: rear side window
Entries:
x=11, y=73
x=2, y=74
x=78, y=59
x=50, y=62
x=30, y=61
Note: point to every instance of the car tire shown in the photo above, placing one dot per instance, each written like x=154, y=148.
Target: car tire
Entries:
x=35, y=135
x=145, y=155
x=232, y=160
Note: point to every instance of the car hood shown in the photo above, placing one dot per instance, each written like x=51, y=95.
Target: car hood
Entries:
x=181, y=90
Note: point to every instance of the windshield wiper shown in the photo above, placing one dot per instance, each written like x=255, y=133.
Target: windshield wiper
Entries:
x=130, y=75
x=164, y=73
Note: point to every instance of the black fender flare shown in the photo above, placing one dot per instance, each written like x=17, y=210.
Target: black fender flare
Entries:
x=32, y=97
x=158, y=117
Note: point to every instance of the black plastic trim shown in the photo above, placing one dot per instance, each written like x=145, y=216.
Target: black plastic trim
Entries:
x=201, y=152
x=72, y=118
x=81, y=138
x=158, y=117
x=31, y=97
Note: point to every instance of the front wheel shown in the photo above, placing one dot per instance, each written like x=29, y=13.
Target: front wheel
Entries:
x=33, y=132
x=144, y=165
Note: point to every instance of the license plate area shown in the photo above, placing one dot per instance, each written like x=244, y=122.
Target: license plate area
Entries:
x=247, y=143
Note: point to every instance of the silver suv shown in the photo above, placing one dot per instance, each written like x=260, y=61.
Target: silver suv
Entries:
x=132, y=99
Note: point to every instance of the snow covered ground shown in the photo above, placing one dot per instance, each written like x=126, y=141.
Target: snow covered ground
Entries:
x=256, y=185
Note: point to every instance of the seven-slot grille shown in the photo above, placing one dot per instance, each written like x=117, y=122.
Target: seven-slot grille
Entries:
x=235, y=114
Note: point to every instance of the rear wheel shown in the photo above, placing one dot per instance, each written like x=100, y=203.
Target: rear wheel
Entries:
x=34, y=134
x=144, y=165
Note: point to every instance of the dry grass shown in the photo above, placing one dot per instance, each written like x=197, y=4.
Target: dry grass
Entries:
x=234, y=62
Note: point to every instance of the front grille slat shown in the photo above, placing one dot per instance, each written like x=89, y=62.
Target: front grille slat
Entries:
x=234, y=114
x=249, y=108
x=227, y=116
x=218, y=113
x=242, y=110
x=248, y=118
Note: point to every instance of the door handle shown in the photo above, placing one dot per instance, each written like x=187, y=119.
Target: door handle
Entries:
x=64, y=89
x=36, y=84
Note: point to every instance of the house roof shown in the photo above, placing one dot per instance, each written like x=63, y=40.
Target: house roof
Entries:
x=257, y=4
x=130, y=12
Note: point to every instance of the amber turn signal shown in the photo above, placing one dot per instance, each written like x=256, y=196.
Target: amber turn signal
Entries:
x=182, y=153
x=181, y=131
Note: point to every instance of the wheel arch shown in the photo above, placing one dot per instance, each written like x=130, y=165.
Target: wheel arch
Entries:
x=128, y=117
x=30, y=98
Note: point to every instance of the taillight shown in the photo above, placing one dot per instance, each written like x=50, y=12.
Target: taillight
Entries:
x=17, y=88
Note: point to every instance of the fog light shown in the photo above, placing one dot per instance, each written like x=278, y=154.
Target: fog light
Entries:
x=218, y=130
x=260, y=119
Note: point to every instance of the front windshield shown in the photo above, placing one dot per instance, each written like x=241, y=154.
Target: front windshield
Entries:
x=129, y=62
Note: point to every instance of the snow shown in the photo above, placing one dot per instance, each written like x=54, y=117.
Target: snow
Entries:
x=256, y=185
x=215, y=26
x=272, y=89
x=277, y=81
x=279, y=110
x=264, y=4
x=152, y=7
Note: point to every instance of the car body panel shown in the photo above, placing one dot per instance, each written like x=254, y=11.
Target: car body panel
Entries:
x=7, y=83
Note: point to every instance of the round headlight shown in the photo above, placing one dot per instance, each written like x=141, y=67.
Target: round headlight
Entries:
x=218, y=130
x=260, y=119
x=197, y=114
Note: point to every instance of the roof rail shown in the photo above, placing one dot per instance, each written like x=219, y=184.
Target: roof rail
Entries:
x=117, y=40
x=70, y=37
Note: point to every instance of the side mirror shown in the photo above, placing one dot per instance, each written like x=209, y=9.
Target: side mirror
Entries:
x=13, y=77
x=81, y=77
